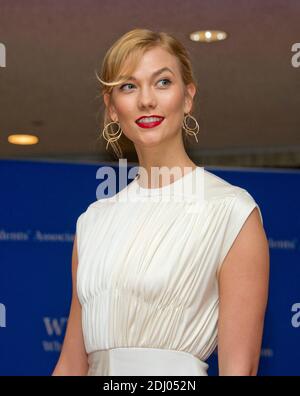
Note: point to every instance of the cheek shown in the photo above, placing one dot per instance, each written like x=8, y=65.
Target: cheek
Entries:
x=125, y=107
x=172, y=102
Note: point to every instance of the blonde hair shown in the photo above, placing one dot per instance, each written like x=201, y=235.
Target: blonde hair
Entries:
x=130, y=47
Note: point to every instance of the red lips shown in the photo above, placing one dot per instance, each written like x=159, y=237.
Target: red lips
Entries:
x=149, y=124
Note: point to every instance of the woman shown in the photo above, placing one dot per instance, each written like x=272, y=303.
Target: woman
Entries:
x=159, y=282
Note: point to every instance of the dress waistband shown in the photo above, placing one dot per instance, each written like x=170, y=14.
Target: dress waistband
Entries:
x=133, y=361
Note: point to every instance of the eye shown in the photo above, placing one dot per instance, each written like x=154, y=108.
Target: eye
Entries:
x=128, y=84
x=124, y=85
x=165, y=79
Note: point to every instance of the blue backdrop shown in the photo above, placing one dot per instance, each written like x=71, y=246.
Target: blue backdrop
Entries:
x=40, y=203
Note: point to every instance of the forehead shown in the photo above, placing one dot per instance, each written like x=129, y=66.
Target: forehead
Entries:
x=152, y=60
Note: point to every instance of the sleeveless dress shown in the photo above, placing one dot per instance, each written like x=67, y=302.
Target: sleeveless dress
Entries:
x=147, y=277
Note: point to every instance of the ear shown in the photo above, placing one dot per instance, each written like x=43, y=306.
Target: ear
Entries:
x=190, y=91
x=110, y=107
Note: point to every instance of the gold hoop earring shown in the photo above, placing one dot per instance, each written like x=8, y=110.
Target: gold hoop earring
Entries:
x=191, y=131
x=111, y=137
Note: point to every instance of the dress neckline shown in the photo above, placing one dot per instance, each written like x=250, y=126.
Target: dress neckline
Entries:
x=182, y=186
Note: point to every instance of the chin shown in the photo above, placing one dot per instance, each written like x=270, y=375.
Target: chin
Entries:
x=150, y=141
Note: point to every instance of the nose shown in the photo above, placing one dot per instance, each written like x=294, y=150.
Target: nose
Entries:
x=146, y=98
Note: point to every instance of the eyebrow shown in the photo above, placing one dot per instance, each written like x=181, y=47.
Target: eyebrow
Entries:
x=156, y=73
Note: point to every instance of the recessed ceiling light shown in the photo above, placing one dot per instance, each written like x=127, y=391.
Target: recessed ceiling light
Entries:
x=22, y=139
x=207, y=36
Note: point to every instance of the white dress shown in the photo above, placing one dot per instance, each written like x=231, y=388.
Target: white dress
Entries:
x=148, y=262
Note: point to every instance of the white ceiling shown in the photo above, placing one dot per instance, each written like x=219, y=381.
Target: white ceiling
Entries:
x=249, y=93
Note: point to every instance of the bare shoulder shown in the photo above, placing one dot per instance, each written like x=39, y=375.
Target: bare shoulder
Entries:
x=248, y=257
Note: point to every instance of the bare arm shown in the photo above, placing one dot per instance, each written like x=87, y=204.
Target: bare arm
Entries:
x=73, y=358
x=243, y=292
